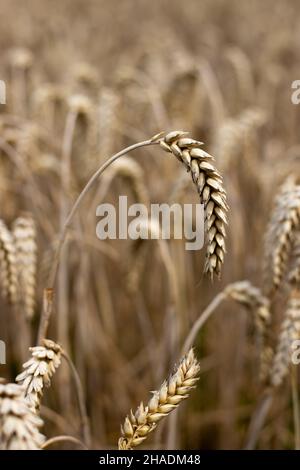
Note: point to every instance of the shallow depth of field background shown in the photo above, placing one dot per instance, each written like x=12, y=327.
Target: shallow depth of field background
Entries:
x=201, y=66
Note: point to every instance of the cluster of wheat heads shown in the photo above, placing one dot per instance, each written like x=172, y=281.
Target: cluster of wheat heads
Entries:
x=281, y=278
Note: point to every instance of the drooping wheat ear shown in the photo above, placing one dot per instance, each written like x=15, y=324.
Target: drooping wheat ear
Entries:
x=24, y=233
x=289, y=332
x=253, y=299
x=137, y=426
x=293, y=276
x=129, y=170
x=283, y=225
x=39, y=370
x=49, y=105
x=210, y=188
x=19, y=425
x=21, y=61
x=8, y=271
x=243, y=70
x=86, y=79
x=84, y=143
x=232, y=135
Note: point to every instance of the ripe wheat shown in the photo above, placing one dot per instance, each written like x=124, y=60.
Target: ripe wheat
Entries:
x=8, y=270
x=210, y=188
x=19, y=425
x=24, y=233
x=139, y=425
x=39, y=370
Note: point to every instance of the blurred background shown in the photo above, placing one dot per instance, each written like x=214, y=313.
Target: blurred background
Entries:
x=220, y=69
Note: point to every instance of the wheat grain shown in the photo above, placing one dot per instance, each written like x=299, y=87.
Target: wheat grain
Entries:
x=24, y=233
x=210, y=188
x=19, y=425
x=139, y=425
x=39, y=370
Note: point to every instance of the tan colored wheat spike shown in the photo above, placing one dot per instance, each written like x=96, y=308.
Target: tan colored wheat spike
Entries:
x=85, y=136
x=19, y=425
x=252, y=298
x=284, y=223
x=139, y=425
x=131, y=172
x=294, y=271
x=107, y=118
x=210, y=188
x=24, y=233
x=8, y=271
x=39, y=370
x=289, y=332
x=232, y=135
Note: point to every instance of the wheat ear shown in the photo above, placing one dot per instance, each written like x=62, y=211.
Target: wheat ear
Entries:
x=210, y=188
x=39, y=370
x=284, y=223
x=252, y=298
x=19, y=425
x=139, y=425
x=289, y=331
x=24, y=233
x=8, y=271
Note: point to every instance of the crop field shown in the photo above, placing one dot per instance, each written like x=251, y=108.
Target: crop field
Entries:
x=118, y=329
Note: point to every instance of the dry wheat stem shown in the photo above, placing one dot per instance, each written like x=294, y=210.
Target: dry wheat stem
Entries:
x=201, y=320
x=19, y=425
x=56, y=439
x=85, y=427
x=137, y=426
x=258, y=419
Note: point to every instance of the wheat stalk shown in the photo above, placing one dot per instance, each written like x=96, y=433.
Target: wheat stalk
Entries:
x=8, y=270
x=39, y=370
x=137, y=426
x=210, y=188
x=24, y=233
x=19, y=425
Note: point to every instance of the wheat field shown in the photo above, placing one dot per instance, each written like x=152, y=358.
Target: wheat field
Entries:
x=162, y=102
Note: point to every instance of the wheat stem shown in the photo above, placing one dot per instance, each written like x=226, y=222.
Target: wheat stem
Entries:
x=85, y=427
x=201, y=320
x=56, y=439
